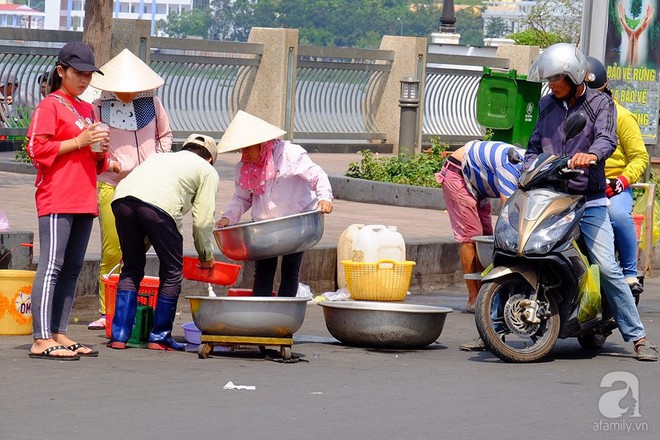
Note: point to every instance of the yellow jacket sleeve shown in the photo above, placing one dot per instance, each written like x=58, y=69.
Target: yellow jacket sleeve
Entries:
x=630, y=158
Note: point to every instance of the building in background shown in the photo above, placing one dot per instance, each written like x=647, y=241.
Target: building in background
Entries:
x=20, y=16
x=70, y=14
x=510, y=12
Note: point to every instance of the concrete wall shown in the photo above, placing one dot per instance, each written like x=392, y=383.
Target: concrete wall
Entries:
x=520, y=57
x=438, y=264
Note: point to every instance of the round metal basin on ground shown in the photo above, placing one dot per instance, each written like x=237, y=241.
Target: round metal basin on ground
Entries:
x=384, y=325
x=270, y=238
x=485, y=246
x=248, y=316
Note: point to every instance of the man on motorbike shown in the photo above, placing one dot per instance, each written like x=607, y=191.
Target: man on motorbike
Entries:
x=564, y=67
x=470, y=176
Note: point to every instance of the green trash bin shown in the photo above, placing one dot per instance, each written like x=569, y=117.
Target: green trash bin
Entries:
x=508, y=105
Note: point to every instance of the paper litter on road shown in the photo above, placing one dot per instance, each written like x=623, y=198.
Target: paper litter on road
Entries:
x=230, y=386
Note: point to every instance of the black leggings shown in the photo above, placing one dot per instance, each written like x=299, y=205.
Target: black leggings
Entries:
x=137, y=220
x=264, y=275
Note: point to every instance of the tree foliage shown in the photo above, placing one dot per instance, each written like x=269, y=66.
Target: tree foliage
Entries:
x=340, y=23
x=470, y=25
x=497, y=28
x=531, y=37
x=193, y=23
x=550, y=18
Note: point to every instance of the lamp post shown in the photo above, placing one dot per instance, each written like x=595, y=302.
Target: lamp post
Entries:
x=448, y=18
x=400, y=26
x=409, y=103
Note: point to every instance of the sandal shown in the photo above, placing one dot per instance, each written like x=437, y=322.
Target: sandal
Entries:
x=46, y=354
x=476, y=344
x=99, y=324
x=644, y=351
x=77, y=346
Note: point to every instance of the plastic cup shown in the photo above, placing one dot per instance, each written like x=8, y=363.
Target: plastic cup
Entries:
x=96, y=146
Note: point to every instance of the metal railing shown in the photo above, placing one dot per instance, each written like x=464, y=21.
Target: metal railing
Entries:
x=206, y=82
x=337, y=90
x=24, y=56
x=450, y=96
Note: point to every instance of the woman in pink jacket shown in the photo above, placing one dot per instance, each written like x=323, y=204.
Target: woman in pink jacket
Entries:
x=274, y=178
x=139, y=127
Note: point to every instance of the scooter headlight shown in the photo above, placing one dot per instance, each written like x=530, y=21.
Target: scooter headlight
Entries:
x=506, y=234
x=548, y=233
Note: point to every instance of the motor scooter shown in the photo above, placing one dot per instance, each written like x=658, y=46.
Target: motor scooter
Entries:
x=531, y=296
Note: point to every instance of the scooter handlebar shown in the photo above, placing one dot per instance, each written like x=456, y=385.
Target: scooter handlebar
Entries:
x=569, y=170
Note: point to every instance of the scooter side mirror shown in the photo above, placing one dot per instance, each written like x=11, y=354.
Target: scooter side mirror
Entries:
x=575, y=123
x=513, y=156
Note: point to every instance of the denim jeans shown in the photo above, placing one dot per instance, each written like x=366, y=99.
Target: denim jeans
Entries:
x=625, y=237
x=598, y=236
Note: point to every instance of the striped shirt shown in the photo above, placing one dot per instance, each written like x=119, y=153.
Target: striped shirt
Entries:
x=487, y=169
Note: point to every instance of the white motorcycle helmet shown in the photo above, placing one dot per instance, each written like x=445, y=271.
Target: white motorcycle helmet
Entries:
x=559, y=59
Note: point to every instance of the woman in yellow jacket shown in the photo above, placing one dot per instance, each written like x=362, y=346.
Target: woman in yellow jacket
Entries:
x=624, y=167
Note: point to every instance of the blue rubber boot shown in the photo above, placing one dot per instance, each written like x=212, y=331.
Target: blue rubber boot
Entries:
x=160, y=337
x=122, y=322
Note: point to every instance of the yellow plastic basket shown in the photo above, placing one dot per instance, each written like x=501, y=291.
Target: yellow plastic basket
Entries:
x=383, y=280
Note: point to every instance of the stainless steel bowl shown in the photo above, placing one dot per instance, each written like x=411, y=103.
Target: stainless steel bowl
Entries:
x=248, y=316
x=384, y=325
x=270, y=238
x=485, y=246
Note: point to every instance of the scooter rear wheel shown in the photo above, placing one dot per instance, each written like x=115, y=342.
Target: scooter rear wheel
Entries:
x=503, y=327
x=592, y=340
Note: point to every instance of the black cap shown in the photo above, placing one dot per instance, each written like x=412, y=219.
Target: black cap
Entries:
x=79, y=56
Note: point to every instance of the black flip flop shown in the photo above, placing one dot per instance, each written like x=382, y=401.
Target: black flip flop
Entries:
x=78, y=345
x=46, y=354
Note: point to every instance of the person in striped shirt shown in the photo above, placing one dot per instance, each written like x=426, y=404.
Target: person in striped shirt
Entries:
x=470, y=176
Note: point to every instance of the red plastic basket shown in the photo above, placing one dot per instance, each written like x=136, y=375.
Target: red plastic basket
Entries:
x=224, y=274
x=147, y=296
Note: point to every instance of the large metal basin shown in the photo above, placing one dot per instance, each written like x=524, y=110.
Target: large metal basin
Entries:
x=248, y=316
x=270, y=238
x=384, y=325
x=485, y=246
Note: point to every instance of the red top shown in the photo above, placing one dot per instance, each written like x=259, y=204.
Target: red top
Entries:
x=66, y=184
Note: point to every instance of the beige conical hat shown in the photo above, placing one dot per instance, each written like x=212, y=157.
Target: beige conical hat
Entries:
x=245, y=130
x=126, y=73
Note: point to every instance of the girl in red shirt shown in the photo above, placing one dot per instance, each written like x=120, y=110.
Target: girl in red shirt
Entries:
x=60, y=135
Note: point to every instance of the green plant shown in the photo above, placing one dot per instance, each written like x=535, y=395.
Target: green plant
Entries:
x=21, y=155
x=417, y=169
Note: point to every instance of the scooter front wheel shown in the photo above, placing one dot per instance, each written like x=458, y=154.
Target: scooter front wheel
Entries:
x=505, y=324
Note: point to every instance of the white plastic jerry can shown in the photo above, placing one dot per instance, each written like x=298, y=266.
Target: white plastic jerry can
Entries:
x=379, y=242
x=345, y=251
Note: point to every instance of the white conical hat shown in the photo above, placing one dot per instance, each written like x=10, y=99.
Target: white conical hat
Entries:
x=126, y=73
x=245, y=130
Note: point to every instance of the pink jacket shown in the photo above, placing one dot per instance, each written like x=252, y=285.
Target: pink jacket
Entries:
x=299, y=184
x=131, y=148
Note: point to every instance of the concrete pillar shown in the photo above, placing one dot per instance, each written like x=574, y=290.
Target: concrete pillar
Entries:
x=272, y=94
x=409, y=60
x=520, y=57
x=594, y=29
x=134, y=35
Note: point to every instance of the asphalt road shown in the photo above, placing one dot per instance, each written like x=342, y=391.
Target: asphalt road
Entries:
x=334, y=392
